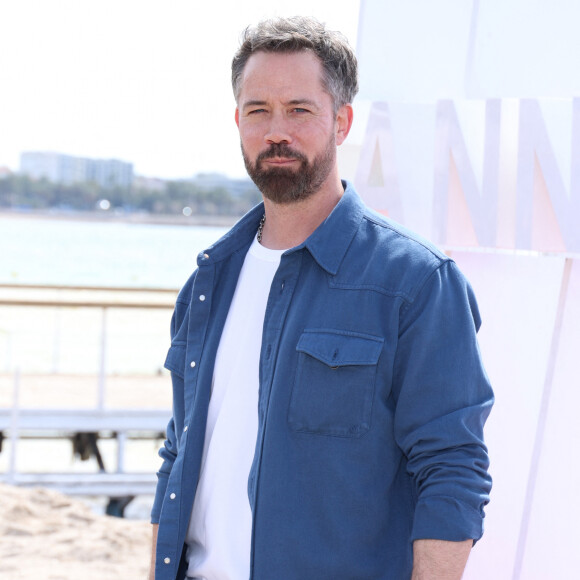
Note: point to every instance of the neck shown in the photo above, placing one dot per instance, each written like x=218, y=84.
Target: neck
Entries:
x=288, y=225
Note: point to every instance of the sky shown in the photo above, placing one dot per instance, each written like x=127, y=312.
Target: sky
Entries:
x=143, y=81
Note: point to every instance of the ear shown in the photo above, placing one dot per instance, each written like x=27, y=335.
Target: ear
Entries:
x=238, y=117
x=344, y=118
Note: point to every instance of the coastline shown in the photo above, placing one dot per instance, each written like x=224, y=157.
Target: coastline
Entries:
x=130, y=218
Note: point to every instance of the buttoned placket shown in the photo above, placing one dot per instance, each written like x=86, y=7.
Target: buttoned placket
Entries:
x=279, y=300
x=201, y=304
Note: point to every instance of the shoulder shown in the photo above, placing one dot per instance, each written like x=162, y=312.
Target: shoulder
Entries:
x=399, y=238
x=184, y=296
x=180, y=312
x=396, y=260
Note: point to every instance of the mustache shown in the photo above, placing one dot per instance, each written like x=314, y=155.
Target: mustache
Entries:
x=280, y=150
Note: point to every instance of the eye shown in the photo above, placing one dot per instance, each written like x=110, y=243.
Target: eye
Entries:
x=256, y=111
x=300, y=110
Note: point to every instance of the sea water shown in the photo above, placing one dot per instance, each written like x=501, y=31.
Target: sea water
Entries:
x=77, y=253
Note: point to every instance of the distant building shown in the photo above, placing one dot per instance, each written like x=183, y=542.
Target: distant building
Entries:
x=68, y=169
x=149, y=183
x=38, y=165
x=4, y=172
x=111, y=172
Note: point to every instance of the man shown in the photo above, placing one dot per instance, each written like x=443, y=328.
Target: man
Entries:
x=329, y=397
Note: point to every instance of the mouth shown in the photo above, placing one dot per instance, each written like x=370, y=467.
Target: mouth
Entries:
x=280, y=160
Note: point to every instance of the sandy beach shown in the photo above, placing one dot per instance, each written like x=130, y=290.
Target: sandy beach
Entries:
x=45, y=535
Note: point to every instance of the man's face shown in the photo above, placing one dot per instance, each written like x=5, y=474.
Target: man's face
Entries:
x=288, y=128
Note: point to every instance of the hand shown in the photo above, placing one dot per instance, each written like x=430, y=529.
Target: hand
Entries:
x=153, y=550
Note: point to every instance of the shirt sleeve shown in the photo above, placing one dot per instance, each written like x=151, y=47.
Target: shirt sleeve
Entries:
x=174, y=363
x=168, y=453
x=443, y=399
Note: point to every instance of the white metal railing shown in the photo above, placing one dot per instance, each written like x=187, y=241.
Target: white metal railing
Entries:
x=61, y=423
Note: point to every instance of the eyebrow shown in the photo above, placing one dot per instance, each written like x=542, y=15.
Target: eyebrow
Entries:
x=259, y=103
x=253, y=103
x=308, y=102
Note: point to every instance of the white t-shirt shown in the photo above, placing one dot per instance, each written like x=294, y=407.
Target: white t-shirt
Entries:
x=219, y=534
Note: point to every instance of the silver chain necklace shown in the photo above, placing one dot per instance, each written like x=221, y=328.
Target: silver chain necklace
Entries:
x=261, y=229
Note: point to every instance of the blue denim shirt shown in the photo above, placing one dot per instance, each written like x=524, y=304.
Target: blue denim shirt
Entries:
x=372, y=402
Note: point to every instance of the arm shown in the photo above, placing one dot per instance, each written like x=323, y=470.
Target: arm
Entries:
x=443, y=398
x=439, y=560
x=168, y=453
x=153, y=548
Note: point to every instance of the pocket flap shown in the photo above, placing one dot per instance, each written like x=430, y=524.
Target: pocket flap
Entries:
x=341, y=348
x=175, y=360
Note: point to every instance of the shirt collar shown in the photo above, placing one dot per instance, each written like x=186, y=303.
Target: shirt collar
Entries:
x=238, y=238
x=330, y=240
x=327, y=244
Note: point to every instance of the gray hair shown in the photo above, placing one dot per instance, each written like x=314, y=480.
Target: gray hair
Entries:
x=283, y=35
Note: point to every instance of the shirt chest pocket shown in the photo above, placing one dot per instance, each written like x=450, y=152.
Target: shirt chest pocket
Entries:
x=335, y=383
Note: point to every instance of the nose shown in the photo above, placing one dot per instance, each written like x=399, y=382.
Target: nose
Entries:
x=278, y=130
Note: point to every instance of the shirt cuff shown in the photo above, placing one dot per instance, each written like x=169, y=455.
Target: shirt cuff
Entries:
x=446, y=518
x=162, y=480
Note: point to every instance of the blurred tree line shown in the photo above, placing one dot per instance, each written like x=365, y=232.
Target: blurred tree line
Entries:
x=23, y=193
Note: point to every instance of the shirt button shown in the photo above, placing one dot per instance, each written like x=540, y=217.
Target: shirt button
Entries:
x=202, y=297
x=192, y=364
x=172, y=496
x=206, y=256
x=167, y=560
x=185, y=428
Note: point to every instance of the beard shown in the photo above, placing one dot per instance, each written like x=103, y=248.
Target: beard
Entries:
x=284, y=185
